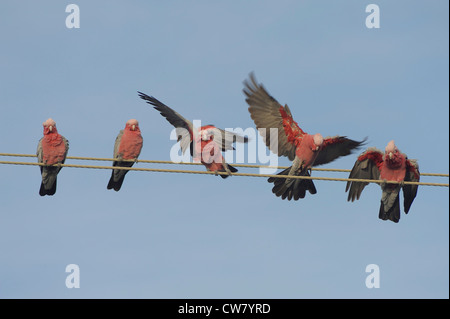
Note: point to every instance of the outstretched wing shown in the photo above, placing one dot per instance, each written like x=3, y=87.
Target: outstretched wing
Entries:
x=184, y=128
x=334, y=147
x=367, y=166
x=410, y=191
x=225, y=139
x=267, y=113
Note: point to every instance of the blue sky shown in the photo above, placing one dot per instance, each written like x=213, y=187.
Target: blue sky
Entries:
x=196, y=236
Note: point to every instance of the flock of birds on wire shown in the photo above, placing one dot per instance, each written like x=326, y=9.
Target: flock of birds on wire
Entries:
x=207, y=142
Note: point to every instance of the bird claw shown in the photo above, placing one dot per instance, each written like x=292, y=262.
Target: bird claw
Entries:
x=216, y=173
x=228, y=171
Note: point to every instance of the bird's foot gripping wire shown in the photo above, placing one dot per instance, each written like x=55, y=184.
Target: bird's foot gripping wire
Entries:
x=227, y=170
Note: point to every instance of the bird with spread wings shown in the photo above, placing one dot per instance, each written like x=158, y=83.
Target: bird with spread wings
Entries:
x=393, y=165
x=206, y=142
x=305, y=150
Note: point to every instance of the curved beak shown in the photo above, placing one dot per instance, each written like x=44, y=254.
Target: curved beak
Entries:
x=390, y=155
x=50, y=128
x=133, y=127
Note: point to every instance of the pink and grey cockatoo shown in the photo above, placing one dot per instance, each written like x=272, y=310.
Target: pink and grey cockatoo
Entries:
x=305, y=150
x=52, y=149
x=206, y=143
x=390, y=166
x=128, y=146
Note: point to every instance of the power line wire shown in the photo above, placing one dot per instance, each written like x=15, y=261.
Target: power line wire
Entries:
x=189, y=163
x=224, y=173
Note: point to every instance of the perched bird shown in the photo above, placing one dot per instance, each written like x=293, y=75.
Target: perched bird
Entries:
x=206, y=143
x=52, y=149
x=390, y=166
x=305, y=150
x=127, y=147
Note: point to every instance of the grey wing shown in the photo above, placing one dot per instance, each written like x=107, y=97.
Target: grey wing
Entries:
x=337, y=146
x=225, y=139
x=66, y=144
x=365, y=168
x=410, y=191
x=184, y=137
x=265, y=112
x=117, y=144
x=184, y=127
x=39, y=153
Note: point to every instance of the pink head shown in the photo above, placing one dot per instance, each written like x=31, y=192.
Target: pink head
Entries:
x=391, y=150
x=318, y=141
x=132, y=124
x=49, y=126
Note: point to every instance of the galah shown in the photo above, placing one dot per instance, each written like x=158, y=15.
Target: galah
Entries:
x=206, y=142
x=52, y=149
x=128, y=146
x=390, y=166
x=305, y=150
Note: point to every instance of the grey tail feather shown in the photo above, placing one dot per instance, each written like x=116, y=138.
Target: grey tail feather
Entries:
x=50, y=192
x=231, y=168
x=296, y=189
x=392, y=214
x=115, y=185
